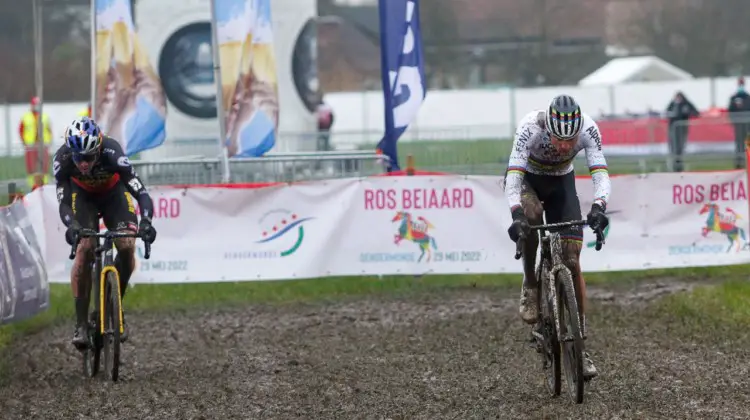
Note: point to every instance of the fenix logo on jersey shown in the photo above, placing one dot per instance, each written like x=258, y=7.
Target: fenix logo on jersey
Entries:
x=523, y=139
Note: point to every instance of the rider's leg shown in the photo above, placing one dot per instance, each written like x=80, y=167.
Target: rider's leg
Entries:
x=581, y=296
x=565, y=207
x=80, y=279
x=532, y=207
x=80, y=274
x=119, y=215
x=568, y=209
x=572, y=259
x=125, y=260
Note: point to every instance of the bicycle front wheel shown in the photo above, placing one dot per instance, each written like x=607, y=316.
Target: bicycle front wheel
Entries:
x=570, y=331
x=92, y=355
x=550, y=346
x=113, y=325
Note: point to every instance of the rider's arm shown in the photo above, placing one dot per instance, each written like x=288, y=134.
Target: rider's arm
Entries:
x=516, y=171
x=63, y=191
x=65, y=201
x=597, y=166
x=132, y=182
x=138, y=190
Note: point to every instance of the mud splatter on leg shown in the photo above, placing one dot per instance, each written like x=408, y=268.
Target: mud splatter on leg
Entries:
x=533, y=209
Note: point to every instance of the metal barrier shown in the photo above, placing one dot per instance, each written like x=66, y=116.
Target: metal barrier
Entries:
x=709, y=142
x=281, y=167
x=631, y=146
x=638, y=145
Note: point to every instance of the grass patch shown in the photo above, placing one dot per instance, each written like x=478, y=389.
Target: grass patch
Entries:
x=721, y=305
x=180, y=297
x=12, y=167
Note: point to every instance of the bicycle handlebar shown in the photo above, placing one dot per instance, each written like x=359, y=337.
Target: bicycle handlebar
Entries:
x=88, y=233
x=558, y=226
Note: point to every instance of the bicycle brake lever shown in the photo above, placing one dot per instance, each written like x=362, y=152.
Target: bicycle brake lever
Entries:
x=599, y=239
x=74, y=248
x=519, y=248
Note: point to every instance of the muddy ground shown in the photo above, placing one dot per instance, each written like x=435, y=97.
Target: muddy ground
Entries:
x=457, y=354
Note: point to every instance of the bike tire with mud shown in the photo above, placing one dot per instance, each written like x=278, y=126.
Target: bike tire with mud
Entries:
x=112, y=318
x=570, y=326
x=92, y=355
x=551, y=347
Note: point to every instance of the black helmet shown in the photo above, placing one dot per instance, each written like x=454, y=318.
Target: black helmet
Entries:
x=564, y=118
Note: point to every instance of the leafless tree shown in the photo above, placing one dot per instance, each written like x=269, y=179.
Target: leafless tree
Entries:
x=704, y=37
x=65, y=50
x=439, y=34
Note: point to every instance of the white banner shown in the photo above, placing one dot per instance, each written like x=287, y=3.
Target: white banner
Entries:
x=412, y=225
x=689, y=220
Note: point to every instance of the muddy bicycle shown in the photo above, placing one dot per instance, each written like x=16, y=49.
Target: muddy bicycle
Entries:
x=105, y=321
x=559, y=329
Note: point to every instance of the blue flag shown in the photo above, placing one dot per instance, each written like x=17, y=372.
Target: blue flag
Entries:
x=402, y=68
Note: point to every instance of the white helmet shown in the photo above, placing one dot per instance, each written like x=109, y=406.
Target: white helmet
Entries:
x=564, y=117
x=83, y=136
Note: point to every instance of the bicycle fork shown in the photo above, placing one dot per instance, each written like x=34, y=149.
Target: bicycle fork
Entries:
x=107, y=266
x=552, y=303
x=547, y=296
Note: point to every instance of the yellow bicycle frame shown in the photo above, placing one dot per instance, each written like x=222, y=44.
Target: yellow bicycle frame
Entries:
x=102, y=292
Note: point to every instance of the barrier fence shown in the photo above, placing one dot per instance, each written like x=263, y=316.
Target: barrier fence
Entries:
x=286, y=167
x=24, y=290
x=378, y=225
x=631, y=146
x=383, y=225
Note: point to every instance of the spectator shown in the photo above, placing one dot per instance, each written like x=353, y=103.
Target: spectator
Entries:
x=679, y=111
x=739, y=115
x=27, y=129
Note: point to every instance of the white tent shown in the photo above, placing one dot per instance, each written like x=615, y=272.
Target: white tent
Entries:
x=635, y=69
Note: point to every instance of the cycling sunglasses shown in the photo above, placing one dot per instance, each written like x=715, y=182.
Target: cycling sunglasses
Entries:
x=78, y=158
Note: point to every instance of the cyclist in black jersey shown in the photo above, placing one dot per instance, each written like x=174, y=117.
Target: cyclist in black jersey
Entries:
x=95, y=179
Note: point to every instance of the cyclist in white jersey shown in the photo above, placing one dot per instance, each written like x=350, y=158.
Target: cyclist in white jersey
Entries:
x=540, y=178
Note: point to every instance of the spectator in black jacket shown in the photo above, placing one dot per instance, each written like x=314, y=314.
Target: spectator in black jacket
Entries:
x=678, y=112
x=739, y=115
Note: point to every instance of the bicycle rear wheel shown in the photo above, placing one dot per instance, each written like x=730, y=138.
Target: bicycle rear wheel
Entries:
x=570, y=330
x=551, y=346
x=112, y=325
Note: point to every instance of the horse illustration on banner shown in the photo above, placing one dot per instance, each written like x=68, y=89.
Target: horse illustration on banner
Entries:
x=724, y=223
x=415, y=231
